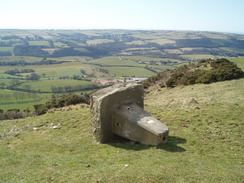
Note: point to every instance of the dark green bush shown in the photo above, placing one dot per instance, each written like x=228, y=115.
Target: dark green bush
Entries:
x=206, y=71
x=66, y=100
x=40, y=109
x=11, y=114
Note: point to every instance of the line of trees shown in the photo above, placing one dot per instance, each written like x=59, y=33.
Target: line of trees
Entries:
x=18, y=71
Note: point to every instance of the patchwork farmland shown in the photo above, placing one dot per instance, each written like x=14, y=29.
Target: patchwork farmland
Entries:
x=36, y=65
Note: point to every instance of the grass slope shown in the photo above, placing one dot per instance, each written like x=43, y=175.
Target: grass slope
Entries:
x=205, y=142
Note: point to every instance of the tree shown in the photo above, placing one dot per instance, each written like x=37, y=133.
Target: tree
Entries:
x=14, y=82
x=34, y=76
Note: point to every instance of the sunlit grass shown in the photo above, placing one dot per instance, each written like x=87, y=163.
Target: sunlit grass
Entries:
x=205, y=142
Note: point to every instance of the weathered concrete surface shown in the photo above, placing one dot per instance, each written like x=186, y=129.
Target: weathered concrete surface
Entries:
x=119, y=110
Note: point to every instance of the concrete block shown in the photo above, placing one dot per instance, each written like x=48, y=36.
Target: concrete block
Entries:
x=118, y=110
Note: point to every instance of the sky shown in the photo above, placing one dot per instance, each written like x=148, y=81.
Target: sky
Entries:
x=197, y=15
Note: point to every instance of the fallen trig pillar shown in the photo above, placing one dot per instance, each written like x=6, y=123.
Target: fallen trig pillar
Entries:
x=118, y=110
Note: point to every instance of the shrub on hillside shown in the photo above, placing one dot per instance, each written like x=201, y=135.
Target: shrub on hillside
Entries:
x=206, y=71
x=221, y=70
x=11, y=114
x=40, y=109
x=71, y=99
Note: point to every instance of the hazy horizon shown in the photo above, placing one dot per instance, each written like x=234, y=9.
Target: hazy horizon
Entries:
x=189, y=15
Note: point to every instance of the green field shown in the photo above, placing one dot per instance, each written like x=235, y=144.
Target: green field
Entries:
x=39, y=43
x=23, y=105
x=49, y=81
x=205, y=142
x=162, y=41
x=99, y=41
x=59, y=44
x=233, y=50
x=58, y=70
x=4, y=81
x=54, y=70
x=20, y=58
x=6, y=49
x=46, y=85
x=51, y=74
x=130, y=72
x=115, y=67
x=148, y=59
x=199, y=57
x=136, y=43
x=115, y=61
x=50, y=50
x=239, y=61
x=20, y=100
x=74, y=57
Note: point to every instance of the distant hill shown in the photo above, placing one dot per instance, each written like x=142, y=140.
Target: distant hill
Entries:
x=100, y=43
x=38, y=65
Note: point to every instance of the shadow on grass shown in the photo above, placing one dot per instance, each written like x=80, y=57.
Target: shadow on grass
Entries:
x=170, y=146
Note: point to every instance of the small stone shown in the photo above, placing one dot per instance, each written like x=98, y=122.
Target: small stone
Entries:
x=55, y=127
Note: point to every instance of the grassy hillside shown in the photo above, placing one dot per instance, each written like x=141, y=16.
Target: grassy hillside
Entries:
x=205, y=142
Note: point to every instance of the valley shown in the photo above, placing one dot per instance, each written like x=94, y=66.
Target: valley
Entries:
x=36, y=65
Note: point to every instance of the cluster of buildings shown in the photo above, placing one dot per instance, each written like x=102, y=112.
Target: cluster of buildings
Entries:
x=112, y=81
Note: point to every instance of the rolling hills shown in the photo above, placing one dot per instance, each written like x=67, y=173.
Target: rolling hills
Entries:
x=37, y=65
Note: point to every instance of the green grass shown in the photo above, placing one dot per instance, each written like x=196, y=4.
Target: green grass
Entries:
x=5, y=76
x=46, y=85
x=238, y=60
x=60, y=45
x=23, y=105
x=20, y=58
x=233, y=50
x=136, y=42
x=54, y=70
x=20, y=100
x=114, y=61
x=58, y=70
x=129, y=71
x=198, y=56
x=5, y=81
x=72, y=59
x=99, y=41
x=162, y=41
x=145, y=36
x=50, y=50
x=148, y=59
x=160, y=68
x=6, y=49
x=205, y=142
x=39, y=43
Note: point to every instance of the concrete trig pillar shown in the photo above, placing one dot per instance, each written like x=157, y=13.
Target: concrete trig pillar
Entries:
x=118, y=110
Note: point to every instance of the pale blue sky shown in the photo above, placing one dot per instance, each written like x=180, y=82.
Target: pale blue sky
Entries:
x=205, y=15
